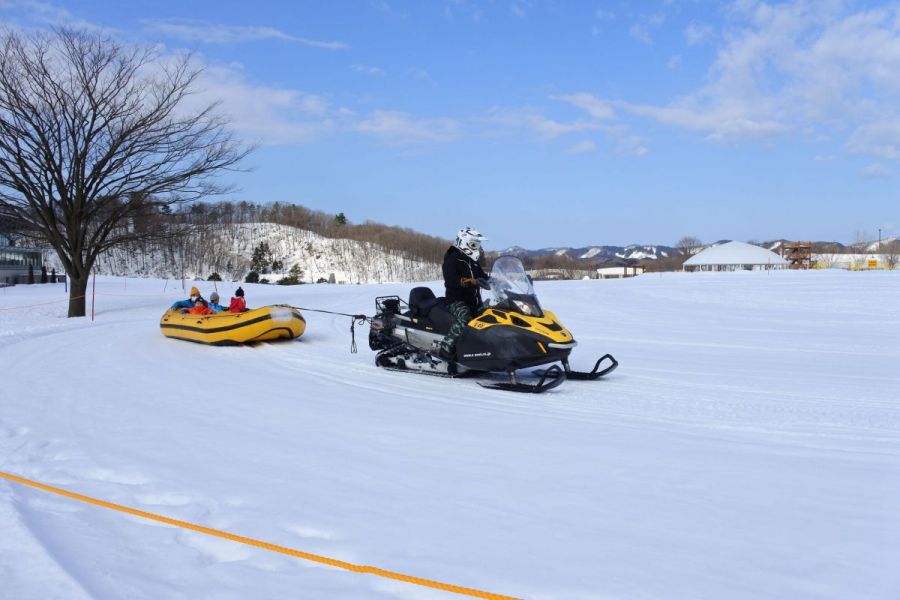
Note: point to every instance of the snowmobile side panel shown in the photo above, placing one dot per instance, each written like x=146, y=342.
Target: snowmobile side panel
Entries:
x=501, y=348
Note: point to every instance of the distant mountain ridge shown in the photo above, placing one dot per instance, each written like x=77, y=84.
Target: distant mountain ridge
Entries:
x=596, y=255
x=632, y=254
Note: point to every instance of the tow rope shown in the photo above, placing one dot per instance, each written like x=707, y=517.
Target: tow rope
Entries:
x=340, y=564
x=355, y=320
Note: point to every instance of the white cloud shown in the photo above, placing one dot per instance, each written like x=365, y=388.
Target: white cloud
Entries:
x=47, y=13
x=876, y=171
x=520, y=7
x=697, y=33
x=403, y=128
x=583, y=147
x=464, y=7
x=825, y=157
x=545, y=128
x=368, y=70
x=632, y=145
x=813, y=69
x=879, y=138
x=640, y=32
x=266, y=114
x=214, y=33
x=272, y=115
x=642, y=28
x=422, y=75
x=540, y=125
x=674, y=62
x=598, y=109
x=719, y=123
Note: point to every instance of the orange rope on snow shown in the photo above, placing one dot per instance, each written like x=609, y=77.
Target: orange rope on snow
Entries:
x=429, y=583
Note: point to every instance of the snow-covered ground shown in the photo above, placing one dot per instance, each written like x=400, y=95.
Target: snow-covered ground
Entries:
x=747, y=447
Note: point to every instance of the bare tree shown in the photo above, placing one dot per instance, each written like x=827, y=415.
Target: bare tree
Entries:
x=891, y=252
x=861, y=242
x=689, y=245
x=95, y=136
x=827, y=255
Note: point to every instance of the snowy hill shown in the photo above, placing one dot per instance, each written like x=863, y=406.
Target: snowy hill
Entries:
x=747, y=447
x=227, y=250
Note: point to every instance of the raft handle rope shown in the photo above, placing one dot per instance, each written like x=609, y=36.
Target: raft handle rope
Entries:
x=23, y=306
x=358, y=319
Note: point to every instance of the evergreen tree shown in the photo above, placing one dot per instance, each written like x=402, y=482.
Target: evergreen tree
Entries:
x=30, y=274
x=294, y=277
x=215, y=277
x=53, y=275
x=340, y=218
x=43, y=274
x=252, y=277
x=262, y=256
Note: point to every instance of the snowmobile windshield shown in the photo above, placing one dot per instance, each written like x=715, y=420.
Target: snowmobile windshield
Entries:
x=511, y=289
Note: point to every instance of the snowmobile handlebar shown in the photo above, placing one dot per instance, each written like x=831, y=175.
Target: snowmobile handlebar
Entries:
x=483, y=283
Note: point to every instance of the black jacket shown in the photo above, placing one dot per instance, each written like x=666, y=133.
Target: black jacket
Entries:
x=456, y=267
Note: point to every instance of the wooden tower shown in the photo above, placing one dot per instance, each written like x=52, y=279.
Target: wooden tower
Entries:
x=798, y=254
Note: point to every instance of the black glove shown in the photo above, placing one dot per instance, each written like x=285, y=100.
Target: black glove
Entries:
x=483, y=283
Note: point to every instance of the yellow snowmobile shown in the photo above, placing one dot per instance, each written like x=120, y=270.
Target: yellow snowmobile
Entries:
x=513, y=332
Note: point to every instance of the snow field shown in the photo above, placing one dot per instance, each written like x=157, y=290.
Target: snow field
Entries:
x=746, y=447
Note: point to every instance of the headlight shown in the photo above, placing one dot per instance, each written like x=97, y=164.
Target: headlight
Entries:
x=524, y=308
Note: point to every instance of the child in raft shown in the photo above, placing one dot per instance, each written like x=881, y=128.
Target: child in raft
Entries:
x=214, y=303
x=190, y=302
x=200, y=308
x=237, y=301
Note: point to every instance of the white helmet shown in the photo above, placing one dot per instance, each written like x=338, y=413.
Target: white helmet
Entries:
x=468, y=240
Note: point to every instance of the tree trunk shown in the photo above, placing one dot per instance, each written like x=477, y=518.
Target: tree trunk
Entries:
x=77, y=294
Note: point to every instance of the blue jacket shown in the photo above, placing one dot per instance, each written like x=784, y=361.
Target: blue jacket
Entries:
x=184, y=304
x=217, y=307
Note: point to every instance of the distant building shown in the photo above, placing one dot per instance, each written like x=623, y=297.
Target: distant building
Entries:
x=735, y=256
x=559, y=274
x=338, y=277
x=854, y=262
x=619, y=271
x=14, y=262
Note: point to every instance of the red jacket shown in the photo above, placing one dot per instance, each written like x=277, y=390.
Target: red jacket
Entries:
x=238, y=304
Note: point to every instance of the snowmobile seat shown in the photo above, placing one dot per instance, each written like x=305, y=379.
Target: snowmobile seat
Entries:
x=439, y=317
x=421, y=301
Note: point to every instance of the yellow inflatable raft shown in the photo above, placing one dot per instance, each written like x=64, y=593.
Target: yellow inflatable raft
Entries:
x=228, y=329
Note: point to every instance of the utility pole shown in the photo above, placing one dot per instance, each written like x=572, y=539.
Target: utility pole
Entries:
x=182, y=264
x=879, y=240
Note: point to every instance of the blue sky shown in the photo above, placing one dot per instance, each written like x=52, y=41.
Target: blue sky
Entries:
x=549, y=123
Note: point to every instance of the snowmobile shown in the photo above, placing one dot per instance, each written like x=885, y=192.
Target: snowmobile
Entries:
x=512, y=332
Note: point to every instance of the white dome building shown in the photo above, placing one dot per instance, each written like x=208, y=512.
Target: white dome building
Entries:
x=735, y=256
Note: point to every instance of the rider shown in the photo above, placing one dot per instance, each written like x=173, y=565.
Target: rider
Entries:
x=461, y=275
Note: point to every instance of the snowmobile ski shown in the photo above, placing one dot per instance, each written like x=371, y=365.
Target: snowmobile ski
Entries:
x=550, y=378
x=595, y=373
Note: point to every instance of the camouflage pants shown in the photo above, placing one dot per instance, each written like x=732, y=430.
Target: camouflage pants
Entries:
x=461, y=314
